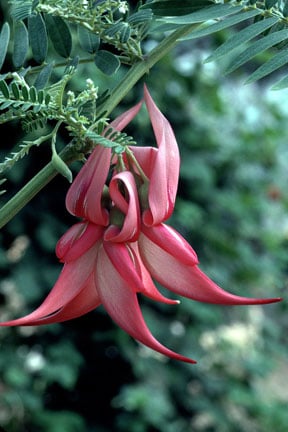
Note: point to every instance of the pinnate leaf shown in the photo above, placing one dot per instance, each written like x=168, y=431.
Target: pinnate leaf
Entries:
x=208, y=29
x=256, y=48
x=21, y=44
x=38, y=37
x=176, y=7
x=88, y=41
x=205, y=14
x=107, y=62
x=282, y=84
x=280, y=59
x=242, y=37
x=60, y=35
x=4, y=40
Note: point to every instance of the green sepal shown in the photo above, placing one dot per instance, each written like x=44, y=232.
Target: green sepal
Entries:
x=61, y=166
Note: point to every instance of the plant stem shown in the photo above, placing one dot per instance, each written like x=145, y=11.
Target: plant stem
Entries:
x=15, y=204
x=21, y=198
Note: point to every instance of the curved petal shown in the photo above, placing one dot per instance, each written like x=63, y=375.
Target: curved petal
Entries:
x=186, y=280
x=172, y=242
x=125, y=118
x=122, y=305
x=77, y=240
x=164, y=179
x=128, y=205
x=127, y=262
x=84, y=196
x=84, y=302
x=70, y=283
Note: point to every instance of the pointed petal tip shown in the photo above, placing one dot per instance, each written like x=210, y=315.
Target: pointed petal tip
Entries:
x=186, y=359
x=247, y=301
x=267, y=301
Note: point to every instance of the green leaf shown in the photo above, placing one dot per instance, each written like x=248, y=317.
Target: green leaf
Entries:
x=125, y=33
x=140, y=17
x=208, y=29
x=61, y=166
x=256, y=48
x=241, y=37
x=285, y=9
x=21, y=9
x=4, y=40
x=205, y=14
x=107, y=62
x=281, y=84
x=21, y=44
x=15, y=90
x=270, y=3
x=33, y=94
x=43, y=77
x=176, y=7
x=40, y=96
x=270, y=66
x=25, y=93
x=88, y=41
x=60, y=35
x=4, y=89
x=6, y=104
x=38, y=37
x=114, y=29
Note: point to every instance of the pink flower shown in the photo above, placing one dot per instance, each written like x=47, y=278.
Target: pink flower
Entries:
x=122, y=244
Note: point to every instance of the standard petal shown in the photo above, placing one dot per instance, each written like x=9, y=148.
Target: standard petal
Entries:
x=122, y=305
x=186, y=280
x=128, y=205
x=85, y=194
x=127, y=262
x=77, y=240
x=164, y=179
x=70, y=283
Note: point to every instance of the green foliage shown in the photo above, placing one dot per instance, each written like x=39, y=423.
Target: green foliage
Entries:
x=269, y=24
x=4, y=40
x=21, y=44
x=107, y=62
x=38, y=37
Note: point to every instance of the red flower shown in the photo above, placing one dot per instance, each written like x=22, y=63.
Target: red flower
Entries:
x=121, y=243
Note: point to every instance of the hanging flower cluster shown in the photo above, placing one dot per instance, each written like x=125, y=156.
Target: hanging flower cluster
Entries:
x=121, y=243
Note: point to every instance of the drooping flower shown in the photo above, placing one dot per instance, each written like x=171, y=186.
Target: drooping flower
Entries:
x=121, y=244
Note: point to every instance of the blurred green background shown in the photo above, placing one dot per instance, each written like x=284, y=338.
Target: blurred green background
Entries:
x=88, y=375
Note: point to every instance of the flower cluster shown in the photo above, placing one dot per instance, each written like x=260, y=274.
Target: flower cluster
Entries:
x=121, y=243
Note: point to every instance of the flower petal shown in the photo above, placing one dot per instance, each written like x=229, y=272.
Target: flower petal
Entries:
x=128, y=205
x=70, y=283
x=84, y=195
x=172, y=242
x=164, y=178
x=77, y=240
x=124, y=119
x=186, y=280
x=127, y=262
x=122, y=305
x=84, y=302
